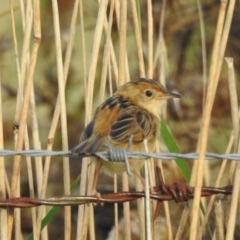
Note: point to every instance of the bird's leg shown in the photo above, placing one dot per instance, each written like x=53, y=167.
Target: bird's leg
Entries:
x=98, y=168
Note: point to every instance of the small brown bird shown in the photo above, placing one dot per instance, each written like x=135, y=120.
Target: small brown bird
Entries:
x=134, y=110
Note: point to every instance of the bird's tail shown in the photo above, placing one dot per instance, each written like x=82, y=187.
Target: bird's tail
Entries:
x=89, y=146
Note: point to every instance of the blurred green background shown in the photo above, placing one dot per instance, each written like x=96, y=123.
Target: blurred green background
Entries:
x=184, y=51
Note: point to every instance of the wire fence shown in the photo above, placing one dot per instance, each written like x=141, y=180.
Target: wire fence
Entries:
x=119, y=155
x=172, y=192
x=177, y=191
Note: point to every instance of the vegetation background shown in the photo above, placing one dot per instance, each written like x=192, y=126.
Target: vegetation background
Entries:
x=185, y=50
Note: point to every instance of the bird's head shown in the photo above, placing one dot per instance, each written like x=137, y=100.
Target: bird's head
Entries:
x=146, y=93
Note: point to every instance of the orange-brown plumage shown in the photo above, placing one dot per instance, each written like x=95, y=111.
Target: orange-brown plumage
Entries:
x=134, y=110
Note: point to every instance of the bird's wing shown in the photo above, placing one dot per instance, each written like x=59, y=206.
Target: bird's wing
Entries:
x=115, y=121
x=137, y=123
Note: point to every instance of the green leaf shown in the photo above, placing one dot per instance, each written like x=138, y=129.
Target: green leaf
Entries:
x=172, y=147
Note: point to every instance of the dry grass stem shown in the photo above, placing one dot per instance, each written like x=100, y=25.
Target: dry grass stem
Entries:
x=83, y=216
x=140, y=209
x=83, y=44
x=203, y=44
x=219, y=231
x=233, y=101
x=150, y=39
x=234, y=203
x=183, y=222
x=106, y=55
x=3, y=212
x=126, y=209
x=115, y=208
x=122, y=43
x=23, y=116
x=212, y=84
x=165, y=204
x=138, y=39
x=217, y=183
x=147, y=199
x=61, y=87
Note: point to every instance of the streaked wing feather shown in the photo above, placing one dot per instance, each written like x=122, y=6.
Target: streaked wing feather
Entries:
x=137, y=123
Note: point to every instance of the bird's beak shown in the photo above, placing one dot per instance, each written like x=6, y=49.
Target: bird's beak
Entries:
x=171, y=95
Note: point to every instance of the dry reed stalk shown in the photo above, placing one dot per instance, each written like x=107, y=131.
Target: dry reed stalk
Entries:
x=115, y=209
x=112, y=53
x=82, y=31
x=83, y=216
x=219, y=232
x=150, y=39
x=218, y=51
x=165, y=203
x=161, y=53
x=122, y=43
x=3, y=212
x=138, y=39
x=148, y=216
x=62, y=102
x=27, y=21
x=106, y=55
x=140, y=210
x=203, y=45
x=24, y=68
x=233, y=101
x=217, y=183
x=236, y=182
x=207, y=171
x=24, y=110
x=183, y=222
x=126, y=209
x=123, y=73
x=43, y=183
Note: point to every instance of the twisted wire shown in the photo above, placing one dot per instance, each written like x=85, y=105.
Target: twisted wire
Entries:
x=116, y=154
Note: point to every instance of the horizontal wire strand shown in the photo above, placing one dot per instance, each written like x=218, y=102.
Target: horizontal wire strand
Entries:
x=120, y=155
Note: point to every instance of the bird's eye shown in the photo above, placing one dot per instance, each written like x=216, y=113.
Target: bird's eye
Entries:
x=148, y=93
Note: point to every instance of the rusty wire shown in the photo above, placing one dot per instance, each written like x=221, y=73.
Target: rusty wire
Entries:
x=178, y=191
x=27, y=202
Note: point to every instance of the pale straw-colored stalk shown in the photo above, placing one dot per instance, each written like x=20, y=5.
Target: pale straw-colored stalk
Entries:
x=203, y=47
x=150, y=39
x=122, y=75
x=61, y=89
x=126, y=209
x=3, y=212
x=24, y=109
x=219, y=222
x=106, y=55
x=183, y=222
x=83, y=216
x=38, y=160
x=213, y=80
x=138, y=37
x=165, y=203
x=24, y=67
x=115, y=208
x=207, y=171
x=43, y=185
x=122, y=43
x=236, y=181
x=83, y=45
x=148, y=219
x=217, y=184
